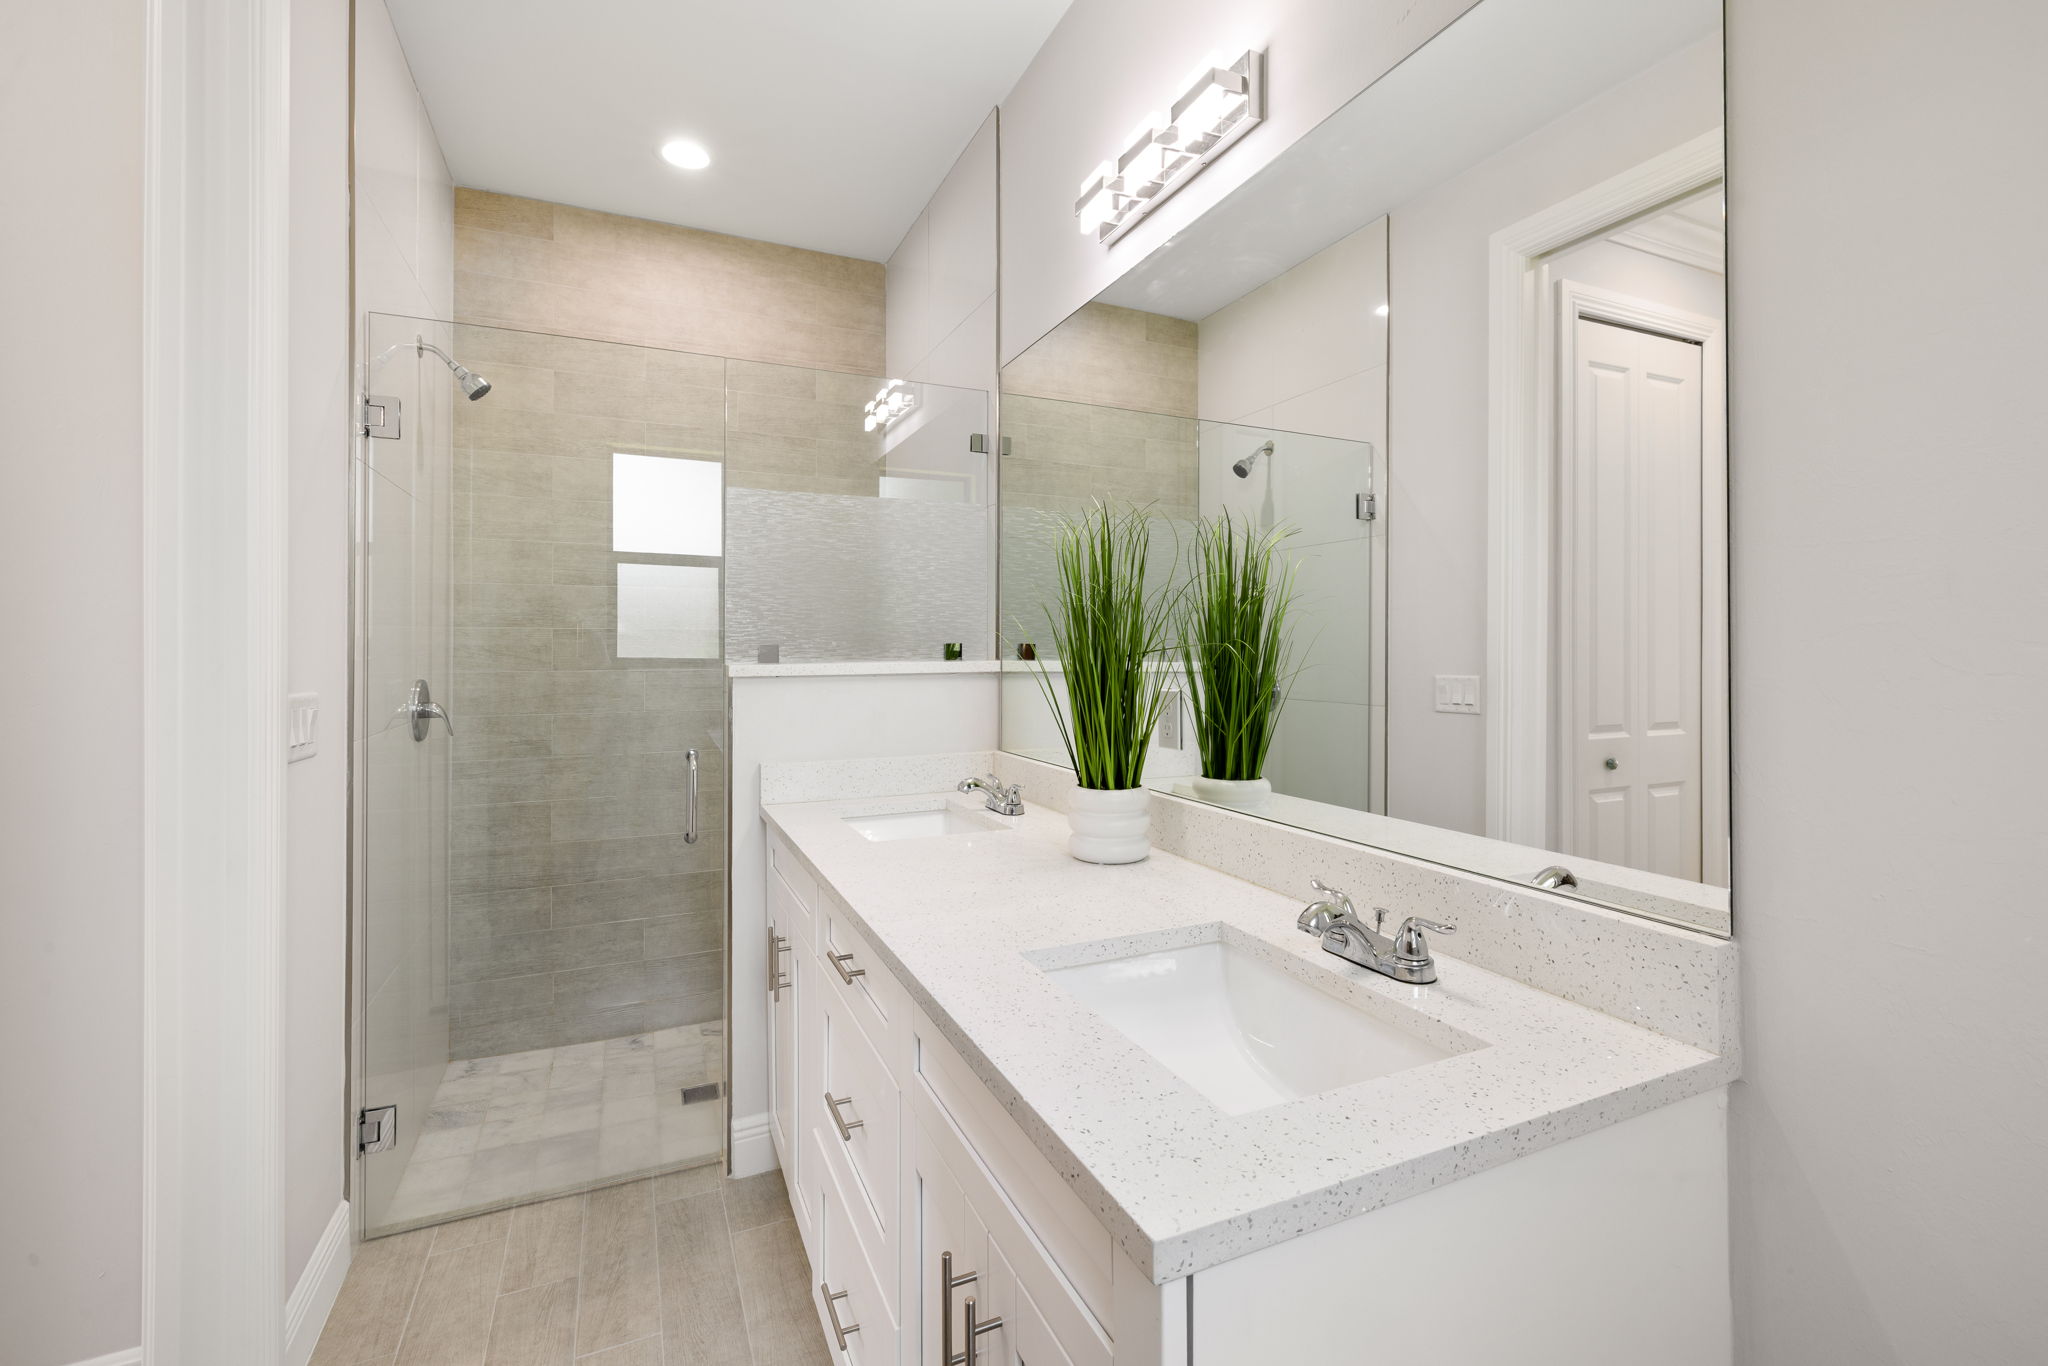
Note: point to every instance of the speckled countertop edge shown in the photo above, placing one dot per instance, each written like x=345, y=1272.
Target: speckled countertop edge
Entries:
x=1179, y=1184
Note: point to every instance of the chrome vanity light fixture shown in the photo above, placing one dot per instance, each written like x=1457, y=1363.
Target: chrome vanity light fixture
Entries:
x=1217, y=105
x=891, y=402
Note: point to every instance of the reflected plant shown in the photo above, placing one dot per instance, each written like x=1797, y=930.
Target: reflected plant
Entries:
x=1106, y=632
x=1236, y=644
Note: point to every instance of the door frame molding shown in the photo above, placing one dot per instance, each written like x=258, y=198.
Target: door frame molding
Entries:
x=1521, y=473
x=216, y=215
x=1576, y=300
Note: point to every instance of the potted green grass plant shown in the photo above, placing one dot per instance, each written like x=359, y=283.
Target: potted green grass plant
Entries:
x=1236, y=649
x=1110, y=637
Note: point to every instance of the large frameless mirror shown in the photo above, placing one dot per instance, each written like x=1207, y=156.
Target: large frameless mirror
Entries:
x=1463, y=347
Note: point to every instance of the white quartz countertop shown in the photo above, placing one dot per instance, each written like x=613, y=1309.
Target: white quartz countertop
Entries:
x=1179, y=1183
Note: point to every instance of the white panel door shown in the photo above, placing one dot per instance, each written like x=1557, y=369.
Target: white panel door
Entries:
x=1630, y=552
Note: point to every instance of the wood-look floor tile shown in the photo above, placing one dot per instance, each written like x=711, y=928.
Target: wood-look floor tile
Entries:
x=621, y=1292
x=545, y=1244
x=645, y=1352
x=482, y=1228
x=775, y=1287
x=702, y=1320
x=369, y=1314
x=687, y=1182
x=450, y=1323
x=535, y=1326
x=751, y=1201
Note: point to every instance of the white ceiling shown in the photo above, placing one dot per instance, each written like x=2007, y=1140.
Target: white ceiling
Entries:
x=829, y=123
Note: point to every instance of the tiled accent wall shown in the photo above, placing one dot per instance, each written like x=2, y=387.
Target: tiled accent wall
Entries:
x=577, y=910
x=545, y=267
x=1112, y=357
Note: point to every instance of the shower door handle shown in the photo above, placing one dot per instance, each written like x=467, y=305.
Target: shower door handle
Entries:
x=690, y=811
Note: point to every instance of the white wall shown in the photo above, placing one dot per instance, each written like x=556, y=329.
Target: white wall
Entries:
x=405, y=198
x=71, y=594
x=1108, y=64
x=316, y=789
x=1890, y=1135
x=817, y=718
x=1436, y=513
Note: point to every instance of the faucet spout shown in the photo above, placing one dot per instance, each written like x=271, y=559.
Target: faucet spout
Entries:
x=1001, y=799
x=1403, y=956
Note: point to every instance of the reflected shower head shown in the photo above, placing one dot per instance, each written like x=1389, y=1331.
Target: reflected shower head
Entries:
x=1243, y=468
x=474, y=386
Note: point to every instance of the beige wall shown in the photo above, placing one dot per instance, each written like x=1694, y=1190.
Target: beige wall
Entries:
x=1114, y=357
x=71, y=594
x=547, y=267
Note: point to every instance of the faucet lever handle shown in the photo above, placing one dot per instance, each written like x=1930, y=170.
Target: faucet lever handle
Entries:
x=1408, y=940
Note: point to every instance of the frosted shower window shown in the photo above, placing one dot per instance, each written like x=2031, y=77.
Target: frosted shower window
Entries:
x=672, y=508
x=664, y=506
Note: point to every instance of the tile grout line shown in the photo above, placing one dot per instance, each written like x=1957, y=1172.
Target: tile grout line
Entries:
x=660, y=1291
x=738, y=1281
x=498, y=1288
x=412, y=1301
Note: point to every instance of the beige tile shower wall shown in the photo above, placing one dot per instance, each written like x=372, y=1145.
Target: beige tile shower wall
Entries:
x=1113, y=357
x=577, y=911
x=545, y=267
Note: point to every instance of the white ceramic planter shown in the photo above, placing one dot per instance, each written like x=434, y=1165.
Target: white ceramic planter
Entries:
x=1110, y=827
x=1243, y=793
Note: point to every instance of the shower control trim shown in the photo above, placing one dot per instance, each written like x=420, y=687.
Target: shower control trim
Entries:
x=423, y=709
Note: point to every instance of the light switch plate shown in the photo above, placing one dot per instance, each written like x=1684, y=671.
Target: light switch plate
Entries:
x=302, y=726
x=1458, y=693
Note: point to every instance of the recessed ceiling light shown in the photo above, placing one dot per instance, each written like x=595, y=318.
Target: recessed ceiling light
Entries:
x=688, y=155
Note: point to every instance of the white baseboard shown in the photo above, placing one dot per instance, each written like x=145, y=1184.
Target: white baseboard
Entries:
x=130, y=1357
x=312, y=1299
x=753, y=1150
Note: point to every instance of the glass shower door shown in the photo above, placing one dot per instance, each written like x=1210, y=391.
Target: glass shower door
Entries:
x=562, y=1018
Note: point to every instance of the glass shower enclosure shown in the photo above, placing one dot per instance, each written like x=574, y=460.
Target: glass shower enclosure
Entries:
x=559, y=544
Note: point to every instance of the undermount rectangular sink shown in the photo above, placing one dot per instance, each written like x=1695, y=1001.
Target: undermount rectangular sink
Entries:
x=926, y=824
x=1240, y=1031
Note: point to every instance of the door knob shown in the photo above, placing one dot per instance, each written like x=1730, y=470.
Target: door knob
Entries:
x=1610, y=763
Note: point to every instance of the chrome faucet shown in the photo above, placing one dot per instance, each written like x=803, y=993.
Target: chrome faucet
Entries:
x=1004, y=801
x=1403, y=957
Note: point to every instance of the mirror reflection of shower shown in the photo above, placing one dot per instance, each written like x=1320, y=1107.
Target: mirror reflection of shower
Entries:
x=1243, y=468
x=474, y=386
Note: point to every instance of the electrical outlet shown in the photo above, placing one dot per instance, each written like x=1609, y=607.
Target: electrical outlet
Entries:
x=1458, y=693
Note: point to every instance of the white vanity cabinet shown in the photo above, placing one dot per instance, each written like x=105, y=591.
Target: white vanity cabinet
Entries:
x=895, y=1157
x=1609, y=1249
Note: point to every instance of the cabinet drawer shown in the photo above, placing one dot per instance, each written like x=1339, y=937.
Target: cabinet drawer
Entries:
x=946, y=1096
x=792, y=893
x=844, y=1270
x=855, y=976
x=862, y=1130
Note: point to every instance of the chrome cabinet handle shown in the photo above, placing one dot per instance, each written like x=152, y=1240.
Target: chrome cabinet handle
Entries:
x=690, y=812
x=777, y=979
x=846, y=1126
x=422, y=708
x=839, y=962
x=839, y=1330
x=974, y=1332
x=948, y=1283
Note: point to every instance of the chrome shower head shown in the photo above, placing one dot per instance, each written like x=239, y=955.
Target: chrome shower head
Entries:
x=474, y=386
x=1243, y=468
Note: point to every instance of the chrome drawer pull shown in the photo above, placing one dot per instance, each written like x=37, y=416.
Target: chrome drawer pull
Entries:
x=777, y=979
x=846, y=975
x=974, y=1331
x=838, y=1330
x=846, y=1126
x=948, y=1283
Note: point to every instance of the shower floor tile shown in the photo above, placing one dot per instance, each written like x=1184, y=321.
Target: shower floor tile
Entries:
x=524, y=1126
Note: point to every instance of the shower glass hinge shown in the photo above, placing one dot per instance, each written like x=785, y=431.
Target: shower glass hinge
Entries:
x=1367, y=507
x=377, y=1130
x=977, y=443
x=380, y=416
